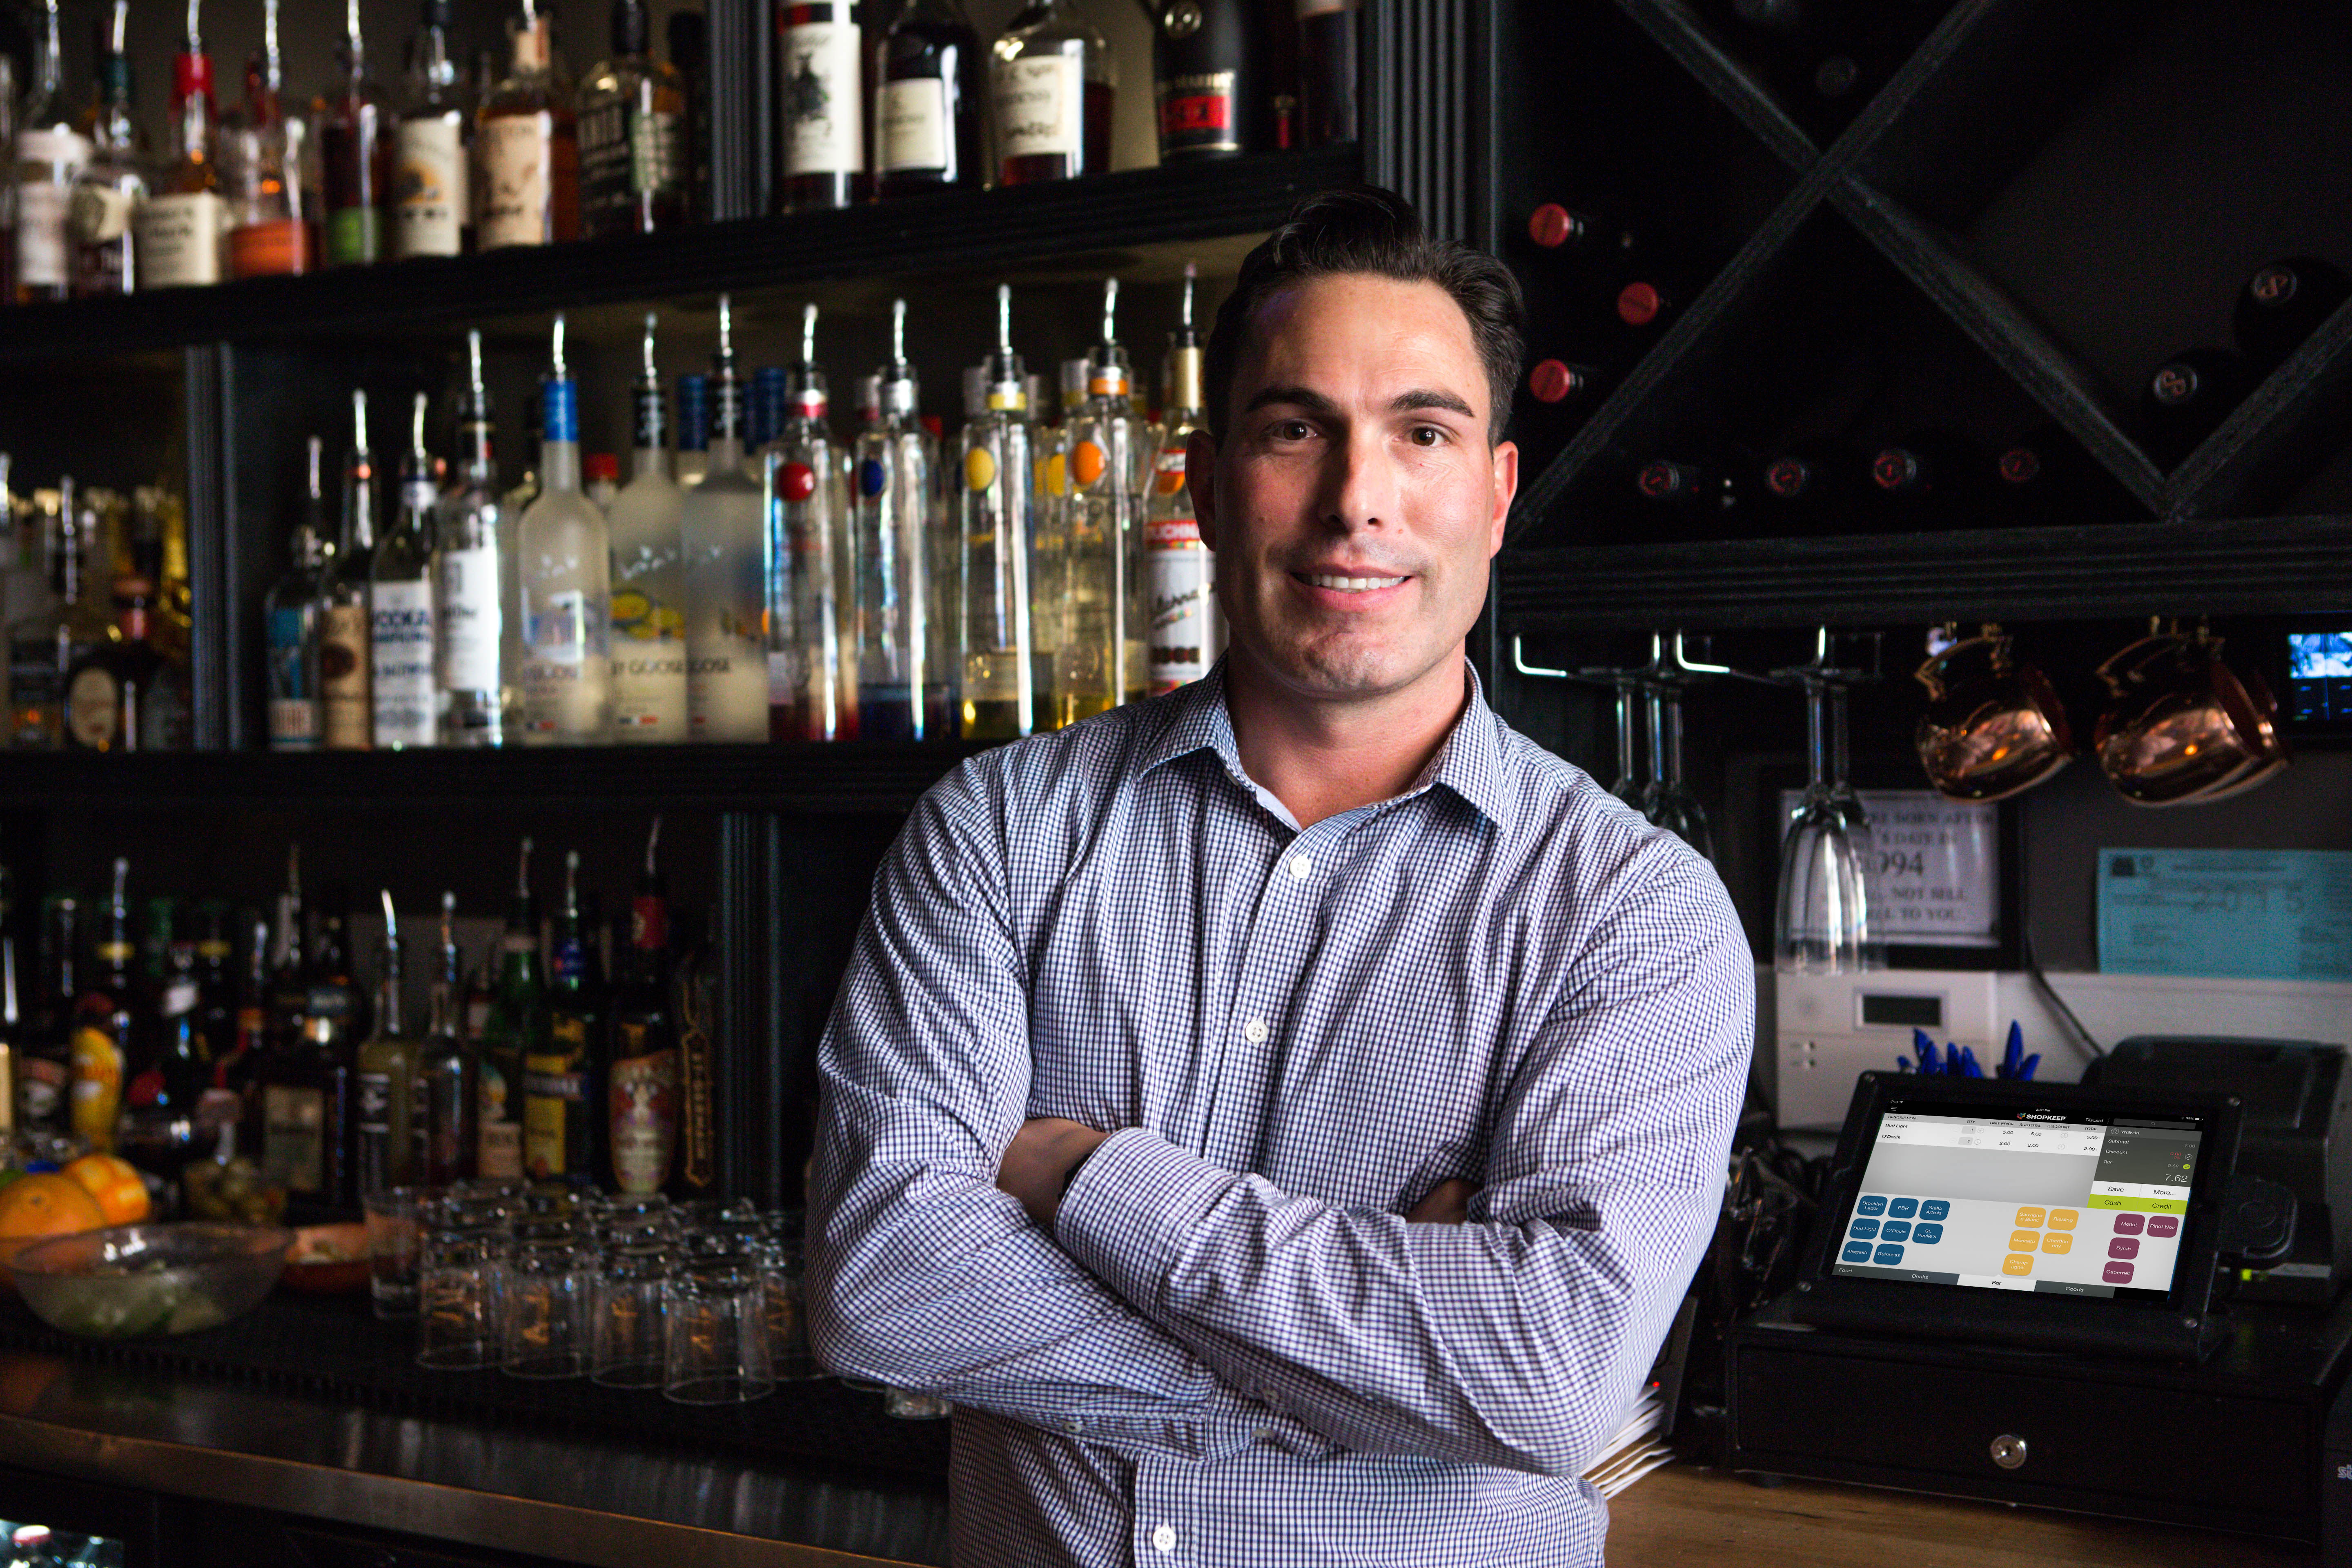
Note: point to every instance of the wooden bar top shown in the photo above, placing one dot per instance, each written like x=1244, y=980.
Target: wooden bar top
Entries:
x=1687, y=1518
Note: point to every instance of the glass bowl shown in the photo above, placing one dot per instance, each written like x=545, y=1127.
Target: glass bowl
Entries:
x=138, y=1280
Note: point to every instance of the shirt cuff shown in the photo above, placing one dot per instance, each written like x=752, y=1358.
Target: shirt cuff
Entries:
x=1137, y=1200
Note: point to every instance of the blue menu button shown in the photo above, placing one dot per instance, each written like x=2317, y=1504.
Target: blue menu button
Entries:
x=1888, y=1255
x=1935, y=1208
x=1871, y=1206
x=1903, y=1208
x=1857, y=1252
x=1863, y=1229
x=1897, y=1230
x=1926, y=1235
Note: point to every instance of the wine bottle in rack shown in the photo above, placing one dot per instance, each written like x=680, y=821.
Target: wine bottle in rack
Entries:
x=1930, y=479
x=2187, y=396
x=2284, y=302
x=1559, y=381
x=50, y=152
x=1812, y=484
x=2043, y=478
x=821, y=99
x=928, y=87
x=1693, y=497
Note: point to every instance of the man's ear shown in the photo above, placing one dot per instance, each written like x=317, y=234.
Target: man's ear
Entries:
x=1200, y=479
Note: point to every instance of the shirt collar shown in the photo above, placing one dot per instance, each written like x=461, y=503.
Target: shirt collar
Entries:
x=1470, y=762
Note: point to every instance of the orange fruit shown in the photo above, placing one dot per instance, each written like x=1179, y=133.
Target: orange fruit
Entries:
x=115, y=1183
x=45, y=1204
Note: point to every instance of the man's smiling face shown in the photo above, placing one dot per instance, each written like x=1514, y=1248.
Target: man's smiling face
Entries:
x=1356, y=500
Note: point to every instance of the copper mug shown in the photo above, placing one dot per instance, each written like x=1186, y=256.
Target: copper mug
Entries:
x=2184, y=727
x=1994, y=724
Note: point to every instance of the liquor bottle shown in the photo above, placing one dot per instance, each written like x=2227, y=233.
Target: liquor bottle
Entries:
x=724, y=542
x=694, y=987
x=1180, y=573
x=1053, y=80
x=763, y=413
x=565, y=576
x=44, y=1065
x=633, y=151
x=649, y=702
x=1209, y=80
x=477, y=670
x=928, y=87
x=430, y=192
x=237, y=1074
x=44, y=648
x=108, y=192
x=810, y=697
x=50, y=152
x=821, y=102
x=1327, y=70
x=526, y=151
x=355, y=147
x=347, y=712
x=292, y=612
x=513, y=1029
x=384, y=1081
x=403, y=683
x=600, y=479
x=219, y=1039
x=306, y=1089
x=641, y=1069
x=1101, y=660
x=693, y=429
x=2188, y=397
x=2284, y=302
x=109, y=691
x=688, y=33
x=290, y=967
x=448, y=1095
x=563, y=1126
x=174, y=1063
x=264, y=148
x=181, y=235
x=997, y=646
x=902, y=685
x=102, y=1021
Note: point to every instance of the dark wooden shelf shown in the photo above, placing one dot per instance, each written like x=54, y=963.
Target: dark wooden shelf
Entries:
x=851, y=777
x=961, y=230
x=2272, y=566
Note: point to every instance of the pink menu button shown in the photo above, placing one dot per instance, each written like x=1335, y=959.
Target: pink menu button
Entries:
x=2124, y=1247
x=2163, y=1224
x=2129, y=1223
x=2116, y=1273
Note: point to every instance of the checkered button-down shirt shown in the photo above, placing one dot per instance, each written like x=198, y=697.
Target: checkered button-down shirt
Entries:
x=1232, y=1347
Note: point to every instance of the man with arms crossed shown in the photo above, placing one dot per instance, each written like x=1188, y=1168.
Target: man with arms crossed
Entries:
x=1284, y=1115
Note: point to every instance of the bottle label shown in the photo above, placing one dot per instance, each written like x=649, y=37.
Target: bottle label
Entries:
x=354, y=236
x=1179, y=577
x=269, y=250
x=1040, y=105
x=727, y=690
x=914, y=115
x=429, y=186
x=42, y=1084
x=347, y=719
x=515, y=152
x=1168, y=475
x=649, y=696
x=823, y=99
x=1196, y=113
x=294, y=1137
x=626, y=152
x=41, y=237
x=293, y=707
x=553, y=1085
x=643, y=1093
x=400, y=651
x=101, y=215
x=498, y=1143
x=36, y=686
x=93, y=707
x=182, y=239
x=567, y=672
x=467, y=615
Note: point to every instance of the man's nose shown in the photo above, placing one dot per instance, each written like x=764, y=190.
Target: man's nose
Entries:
x=1359, y=484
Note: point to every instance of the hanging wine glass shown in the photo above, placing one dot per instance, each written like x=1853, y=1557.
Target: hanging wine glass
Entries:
x=1629, y=786
x=1822, y=924
x=1666, y=800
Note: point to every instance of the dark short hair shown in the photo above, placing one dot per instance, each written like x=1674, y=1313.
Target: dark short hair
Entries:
x=1366, y=229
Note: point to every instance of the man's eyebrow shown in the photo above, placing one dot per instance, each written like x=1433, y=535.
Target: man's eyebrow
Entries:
x=1304, y=397
x=1406, y=403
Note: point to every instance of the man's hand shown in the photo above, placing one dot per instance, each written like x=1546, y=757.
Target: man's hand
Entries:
x=1038, y=1165
x=1448, y=1203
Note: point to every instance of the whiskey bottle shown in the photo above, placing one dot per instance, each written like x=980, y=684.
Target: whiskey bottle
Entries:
x=108, y=693
x=928, y=87
x=1208, y=79
x=724, y=540
x=264, y=148
x=307, y=1091
x=649, y=702
x=448, y=1093
x=513, y=1029
x=902, y=683
x=103, y=1016
x=633, y=151
x=430, y=194
x=292, y=614
x=384, y=1088
x=108, y=192
x=50, y=152
x=565, y=577
x=1180, y=573
x=641, y=1071
x=809, y=695
x=563, y=1126
x=44, y=648
x=1053, y=80
x=401, y=682
x=821, y=98
x=1001, y=699
x=1101, y=660
x=355, y=147
x=182, y=231
x=478, y=671
x=526, y=148
x=347, y=711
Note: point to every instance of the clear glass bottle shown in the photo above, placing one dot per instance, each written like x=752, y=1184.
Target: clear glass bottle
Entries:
x=403, y=687
x=478, y=662
x=724, y=542
x=43, y=648
x=512, y=1030
x=347, y=712
x=808, y=697
x=1100, y=663
x=1179, y=572
x=525, y=146
x=111, y=186
x=447, y=1092
x=384, y=1081
x=430, y=191
x=264, y=147
x=50, y=152
x=649, y=704
x=632, y=148
x=902, y=685
x=693, y=429
x=928, y=88
x=292, y=611
x=999, y=688
x=565, y=567
x=355, y=155
x=821, y=102
x=1053, y=83
x=182, y=231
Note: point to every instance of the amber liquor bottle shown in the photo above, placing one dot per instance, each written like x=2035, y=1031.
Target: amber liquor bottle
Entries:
x=1053, y=83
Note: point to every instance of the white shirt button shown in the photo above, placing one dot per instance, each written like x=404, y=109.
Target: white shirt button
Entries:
x=1301, y=867
x=1254, y=1031
x=1164, y=1538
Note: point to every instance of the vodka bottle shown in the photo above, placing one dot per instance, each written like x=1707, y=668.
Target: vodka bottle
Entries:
x=1100, y=661
x=1000, y=686
x=902, y=685
x=404, y=693
x=292, y=611
x=723, y=543
x=50, y=153
x=1179, y=575
x=566, y=586
x=479, y=660
x=810, y=694
x=345, y=664
x=648, y=580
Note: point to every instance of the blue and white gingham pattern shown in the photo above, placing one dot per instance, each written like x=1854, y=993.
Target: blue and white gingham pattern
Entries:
x=1233, y=1349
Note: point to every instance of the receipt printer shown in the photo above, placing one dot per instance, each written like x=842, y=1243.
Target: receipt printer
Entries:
x=2298, y=1099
